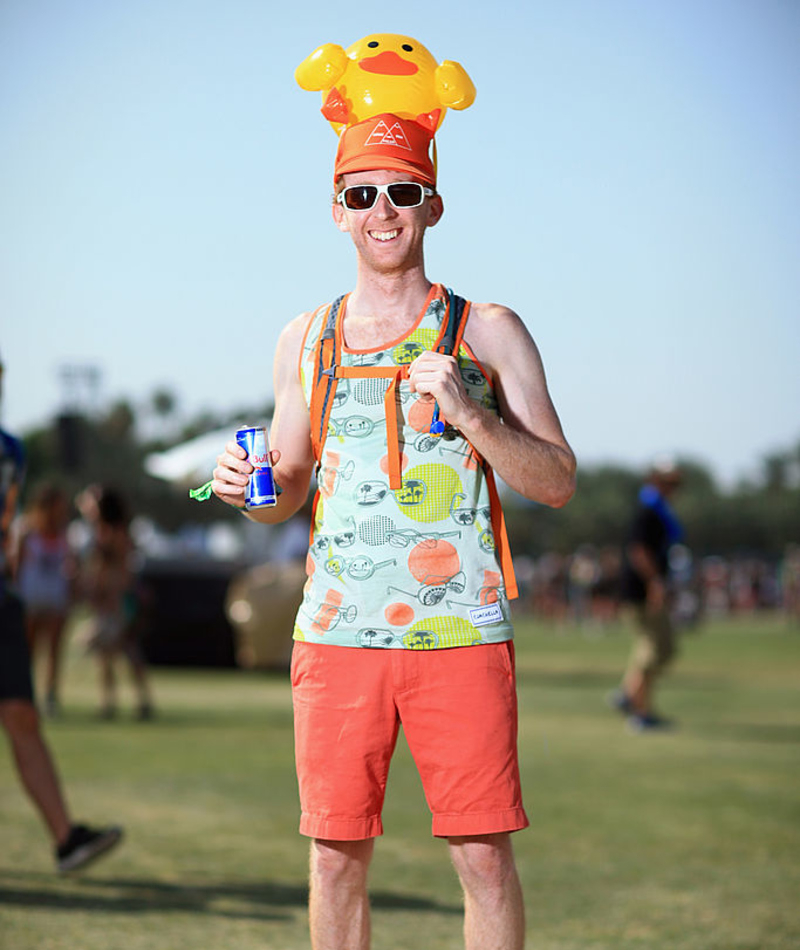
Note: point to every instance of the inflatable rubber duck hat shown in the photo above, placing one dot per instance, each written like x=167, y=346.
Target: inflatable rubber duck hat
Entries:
x=388, y=78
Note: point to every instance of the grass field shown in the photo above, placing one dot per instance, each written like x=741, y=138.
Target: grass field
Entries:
x=688, y=841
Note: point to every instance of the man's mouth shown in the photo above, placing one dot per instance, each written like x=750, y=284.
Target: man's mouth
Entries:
x=384, y=235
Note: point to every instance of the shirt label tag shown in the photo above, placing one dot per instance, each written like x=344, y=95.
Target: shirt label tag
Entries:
x=481, y=616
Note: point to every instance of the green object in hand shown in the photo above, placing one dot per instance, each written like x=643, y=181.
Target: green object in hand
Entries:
x=203, y=493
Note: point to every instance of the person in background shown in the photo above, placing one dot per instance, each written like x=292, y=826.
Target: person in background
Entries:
x=645, y=585
x=76, y=845
x=790, y=582
x=107, y=583
x=44, y=570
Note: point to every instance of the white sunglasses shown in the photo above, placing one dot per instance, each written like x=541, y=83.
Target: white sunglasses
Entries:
x=401, y=194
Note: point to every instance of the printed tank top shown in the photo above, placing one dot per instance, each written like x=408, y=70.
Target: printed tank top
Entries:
x=415, y=568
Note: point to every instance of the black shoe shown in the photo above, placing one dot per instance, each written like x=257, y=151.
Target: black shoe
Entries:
x=619, y=701
x=649, y=722
x=84, y=845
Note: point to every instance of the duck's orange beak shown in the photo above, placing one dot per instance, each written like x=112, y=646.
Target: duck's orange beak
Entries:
x=388, y=63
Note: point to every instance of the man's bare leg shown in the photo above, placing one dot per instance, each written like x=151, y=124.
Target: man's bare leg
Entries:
x=35, y=765
x=108, y=685
x=494, y=913
x=338, y=903
x=55, y=642
x=637, y=686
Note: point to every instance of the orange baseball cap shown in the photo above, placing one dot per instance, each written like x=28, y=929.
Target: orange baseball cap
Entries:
x=386, y=142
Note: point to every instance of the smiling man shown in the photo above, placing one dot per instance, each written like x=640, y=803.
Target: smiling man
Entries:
x=407, y=399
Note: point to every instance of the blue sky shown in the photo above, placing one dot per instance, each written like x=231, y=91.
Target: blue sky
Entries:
x=628, y=180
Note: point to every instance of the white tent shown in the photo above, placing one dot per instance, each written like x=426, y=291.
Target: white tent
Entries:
x=192, y=462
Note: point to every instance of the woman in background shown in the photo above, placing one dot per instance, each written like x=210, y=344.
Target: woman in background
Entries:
x=45, y=572
x=108, y=585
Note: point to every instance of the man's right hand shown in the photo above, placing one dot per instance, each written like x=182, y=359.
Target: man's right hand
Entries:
x=231, y=475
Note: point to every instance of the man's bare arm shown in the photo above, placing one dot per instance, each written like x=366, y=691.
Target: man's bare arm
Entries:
x=290, y=439
x=6, y=519
x=645, y=565
x=525, y=446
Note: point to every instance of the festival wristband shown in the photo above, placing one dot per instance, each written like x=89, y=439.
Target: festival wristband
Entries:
x=203, y=493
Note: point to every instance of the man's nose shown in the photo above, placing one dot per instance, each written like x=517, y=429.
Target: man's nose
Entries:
x=384, y=207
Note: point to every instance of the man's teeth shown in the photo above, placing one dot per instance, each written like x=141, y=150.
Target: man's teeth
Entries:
x=384, y=235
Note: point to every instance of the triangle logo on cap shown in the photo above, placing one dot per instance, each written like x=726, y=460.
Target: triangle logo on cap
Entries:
x=383, y=135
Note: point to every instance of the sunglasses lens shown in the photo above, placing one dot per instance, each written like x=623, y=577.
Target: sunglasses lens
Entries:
x=405, y=194
x=360, y=197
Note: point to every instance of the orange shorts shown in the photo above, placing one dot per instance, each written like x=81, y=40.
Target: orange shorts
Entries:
x=458, y=709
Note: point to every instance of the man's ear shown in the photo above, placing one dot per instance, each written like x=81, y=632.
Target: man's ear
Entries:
x=340, y=217
x=435, y=210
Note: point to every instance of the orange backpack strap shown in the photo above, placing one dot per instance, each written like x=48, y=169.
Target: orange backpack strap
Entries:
x=449, y=342
x=324, y=386
x=501, y=536
x=390, y=404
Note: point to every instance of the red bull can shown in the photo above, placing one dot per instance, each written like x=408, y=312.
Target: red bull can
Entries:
x=260, y=491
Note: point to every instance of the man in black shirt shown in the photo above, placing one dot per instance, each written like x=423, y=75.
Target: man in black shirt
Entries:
x=644, y=585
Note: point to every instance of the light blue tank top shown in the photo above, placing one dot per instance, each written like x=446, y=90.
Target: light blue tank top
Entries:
x=414, y=568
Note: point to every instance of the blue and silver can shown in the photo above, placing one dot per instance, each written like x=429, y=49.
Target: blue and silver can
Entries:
x=260, y=491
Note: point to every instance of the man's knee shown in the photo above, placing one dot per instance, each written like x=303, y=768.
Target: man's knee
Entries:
x=662, y=652
x=486, y=860
x=19, y=718
x=655, y=647
x=341, y=862
x=667, y=652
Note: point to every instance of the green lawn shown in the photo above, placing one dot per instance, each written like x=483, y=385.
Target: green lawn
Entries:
x=688, y=841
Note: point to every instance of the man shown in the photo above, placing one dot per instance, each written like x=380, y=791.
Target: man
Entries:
x=405, y=614
x=75, y=845
x=646, y=567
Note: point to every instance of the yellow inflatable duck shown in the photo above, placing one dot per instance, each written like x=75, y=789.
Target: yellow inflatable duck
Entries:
x=384, y=72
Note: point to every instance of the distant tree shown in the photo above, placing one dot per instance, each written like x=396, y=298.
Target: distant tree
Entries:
x=776, y=468
x=120, y=422
x=162, y=406
x=164, y=403
x=760, y=516
x=206, y=421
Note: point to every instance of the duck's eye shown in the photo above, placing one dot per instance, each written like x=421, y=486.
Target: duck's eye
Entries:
x=407, y=48
x=373, y=43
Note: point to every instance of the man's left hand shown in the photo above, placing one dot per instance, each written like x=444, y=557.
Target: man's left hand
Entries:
x=437, y=376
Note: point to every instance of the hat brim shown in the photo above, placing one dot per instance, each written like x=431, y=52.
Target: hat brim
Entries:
x=360, y=164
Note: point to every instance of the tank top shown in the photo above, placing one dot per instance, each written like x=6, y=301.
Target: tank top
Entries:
x=42, y=578
x=412, y=568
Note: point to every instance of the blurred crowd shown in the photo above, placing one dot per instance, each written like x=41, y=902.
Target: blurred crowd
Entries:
x=84, y=558
x=585, y=587
x=61, y=563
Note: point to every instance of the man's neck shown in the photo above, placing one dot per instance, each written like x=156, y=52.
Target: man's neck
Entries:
x=388, y=298
x=374, y=319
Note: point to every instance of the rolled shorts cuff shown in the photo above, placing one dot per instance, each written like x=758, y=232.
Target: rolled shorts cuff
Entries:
x=340, y=829
x=481, y=823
